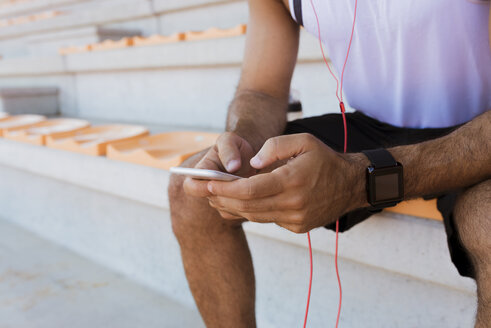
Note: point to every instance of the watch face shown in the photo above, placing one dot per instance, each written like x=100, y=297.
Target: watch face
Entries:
x=385, y=185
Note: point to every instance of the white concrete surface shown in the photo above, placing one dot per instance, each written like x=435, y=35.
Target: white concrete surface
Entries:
x=222, y=15
x=226, y=51
x=43, y=285
x=396, y=270
x=34, y=7
x=80, y=13
x=151, y=96
x=32, y=66
x=13, y=48
x=136, y=239
x=128, y=84
x=162, y=6
x=422, y=241
x=48, y=44
x=99, y=12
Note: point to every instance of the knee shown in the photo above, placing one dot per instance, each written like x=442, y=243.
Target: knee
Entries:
x=472, y=214
x=193, y=217
x=181, y=207
x=176, y=193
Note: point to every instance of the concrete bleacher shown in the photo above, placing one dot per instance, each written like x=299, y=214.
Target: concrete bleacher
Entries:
x=396, y=269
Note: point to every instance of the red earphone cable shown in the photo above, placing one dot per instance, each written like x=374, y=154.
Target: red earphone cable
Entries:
x=348, y=51
x=310, y=281
x=339, y=95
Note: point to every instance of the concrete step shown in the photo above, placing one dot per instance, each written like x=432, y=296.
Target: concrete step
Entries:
x=147, y=15
x=396, y=270
x=32, y=7
x=185, y=84
x=43, y=285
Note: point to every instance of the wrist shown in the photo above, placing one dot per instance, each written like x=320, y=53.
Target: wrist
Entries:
x=357, y=164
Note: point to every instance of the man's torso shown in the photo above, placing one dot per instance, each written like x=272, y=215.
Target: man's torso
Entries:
x=413, y=63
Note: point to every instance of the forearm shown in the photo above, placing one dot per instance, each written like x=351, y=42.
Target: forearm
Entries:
x=256, y=116
x=457, y=160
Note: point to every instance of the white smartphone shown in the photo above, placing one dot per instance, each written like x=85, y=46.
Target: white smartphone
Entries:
x=202, y=174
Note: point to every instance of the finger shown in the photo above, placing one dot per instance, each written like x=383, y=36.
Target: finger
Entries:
x=257, y=217
x=280, y=217
x=210, y=161
x=281, y=148
x=258, y=186
x=228, y=146
x=228, y=216
x=254, y=217
x=278, y=202
x=196, y=188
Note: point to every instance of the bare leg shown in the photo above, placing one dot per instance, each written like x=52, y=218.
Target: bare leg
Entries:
x=216, y=258
x=473, y=219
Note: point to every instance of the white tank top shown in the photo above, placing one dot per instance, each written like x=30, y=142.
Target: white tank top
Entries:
x=413, y=63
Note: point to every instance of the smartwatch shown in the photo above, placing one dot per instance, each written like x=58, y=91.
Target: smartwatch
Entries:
x=385, y=180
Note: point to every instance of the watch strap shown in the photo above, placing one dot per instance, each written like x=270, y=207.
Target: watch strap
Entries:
x=380, y=157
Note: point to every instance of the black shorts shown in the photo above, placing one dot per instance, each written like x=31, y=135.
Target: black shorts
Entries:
x=366, y=133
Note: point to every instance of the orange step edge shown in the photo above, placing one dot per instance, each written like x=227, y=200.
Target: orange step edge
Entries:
x=19, y=121
x=418, y=207
x=94, y=140
x=29, y=18
x=211, y=33
x=37, y=134
x=112, y=44
x=157, y=39
x=162, y=150
x=215, y=33
x=74, y=49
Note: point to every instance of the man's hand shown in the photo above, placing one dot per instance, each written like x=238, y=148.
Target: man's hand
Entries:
x=314, y=188
x=231, y=153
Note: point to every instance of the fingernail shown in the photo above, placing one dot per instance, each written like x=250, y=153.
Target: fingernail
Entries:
x=255, y=161
x=210, y=188
x=233, y=165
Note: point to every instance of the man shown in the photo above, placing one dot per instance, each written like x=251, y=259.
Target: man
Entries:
x=419, y=76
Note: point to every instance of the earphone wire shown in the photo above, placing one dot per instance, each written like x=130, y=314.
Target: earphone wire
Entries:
x=339, y=96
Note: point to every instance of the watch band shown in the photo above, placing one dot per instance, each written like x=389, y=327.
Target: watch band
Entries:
x=380, y=157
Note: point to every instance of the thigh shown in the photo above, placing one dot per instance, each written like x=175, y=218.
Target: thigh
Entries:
x=466, y=218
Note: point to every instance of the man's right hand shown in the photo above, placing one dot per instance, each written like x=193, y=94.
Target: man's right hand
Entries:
x=231, y=154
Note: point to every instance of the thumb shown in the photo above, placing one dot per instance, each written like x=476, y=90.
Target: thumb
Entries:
x=281, y=148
